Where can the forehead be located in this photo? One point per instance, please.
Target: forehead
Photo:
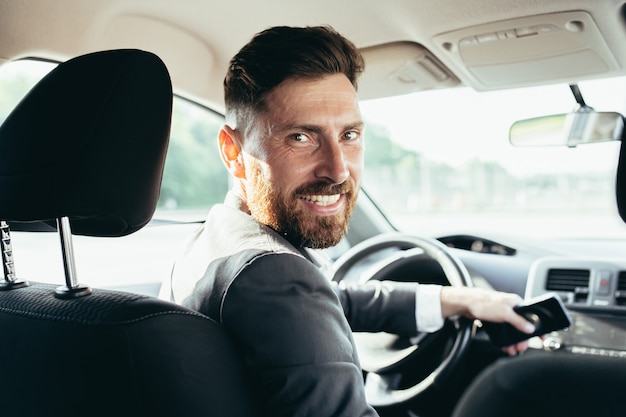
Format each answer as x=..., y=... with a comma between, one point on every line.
x=330, y=95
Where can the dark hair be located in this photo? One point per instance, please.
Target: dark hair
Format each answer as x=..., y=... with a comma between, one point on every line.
x=283, y=52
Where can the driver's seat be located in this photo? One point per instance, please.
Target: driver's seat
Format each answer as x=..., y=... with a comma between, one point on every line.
x=84, y=152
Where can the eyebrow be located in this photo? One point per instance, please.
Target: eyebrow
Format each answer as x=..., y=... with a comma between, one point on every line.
x=318, y=129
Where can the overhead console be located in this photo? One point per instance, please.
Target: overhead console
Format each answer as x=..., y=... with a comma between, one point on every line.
x=594, y=292
x=530, y=50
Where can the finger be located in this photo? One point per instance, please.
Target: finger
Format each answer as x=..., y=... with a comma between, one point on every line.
x=520, y=322
x=522, y=346
x=510, y=350
x=516, y=348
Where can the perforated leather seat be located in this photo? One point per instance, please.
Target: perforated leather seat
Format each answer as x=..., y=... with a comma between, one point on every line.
x=84, y=151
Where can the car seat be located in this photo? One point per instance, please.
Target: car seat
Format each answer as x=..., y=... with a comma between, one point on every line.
x=620, y=182
x=84, y=152
x=547, y=384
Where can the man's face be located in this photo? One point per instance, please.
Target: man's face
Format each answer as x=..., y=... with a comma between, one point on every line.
x=304, y=160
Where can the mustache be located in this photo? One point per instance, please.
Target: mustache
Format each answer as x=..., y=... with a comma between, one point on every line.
x=324, y=188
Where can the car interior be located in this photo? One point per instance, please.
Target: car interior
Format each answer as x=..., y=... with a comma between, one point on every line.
x=96, y=170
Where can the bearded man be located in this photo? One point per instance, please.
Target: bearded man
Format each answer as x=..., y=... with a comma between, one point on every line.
x=293, y=142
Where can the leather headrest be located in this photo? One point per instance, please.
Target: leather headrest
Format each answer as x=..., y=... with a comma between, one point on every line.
x=89, y=142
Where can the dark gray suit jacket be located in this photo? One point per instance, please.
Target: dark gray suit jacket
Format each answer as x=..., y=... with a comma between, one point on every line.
x=292, y=324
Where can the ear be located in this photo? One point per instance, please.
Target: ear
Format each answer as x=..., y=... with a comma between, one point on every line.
x=230, y=150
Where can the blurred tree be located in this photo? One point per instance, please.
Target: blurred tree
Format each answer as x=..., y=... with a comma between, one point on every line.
x=194, y=176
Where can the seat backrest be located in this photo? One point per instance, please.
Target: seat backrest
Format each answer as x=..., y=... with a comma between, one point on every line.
x=86, y=149
x=620, y=183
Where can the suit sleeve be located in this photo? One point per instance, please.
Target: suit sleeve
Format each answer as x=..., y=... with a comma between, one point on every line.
x=295, y=339
x=375, y=306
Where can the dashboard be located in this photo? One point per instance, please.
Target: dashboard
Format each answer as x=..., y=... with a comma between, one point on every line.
x=588, y=275
x=594, y=292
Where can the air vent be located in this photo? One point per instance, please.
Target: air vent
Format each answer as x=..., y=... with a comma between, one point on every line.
x=620, y=294
x=569, y=280
x=621, y=281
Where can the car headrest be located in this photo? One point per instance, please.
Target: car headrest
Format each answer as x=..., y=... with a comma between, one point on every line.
x=88, y=142
x=620, y=186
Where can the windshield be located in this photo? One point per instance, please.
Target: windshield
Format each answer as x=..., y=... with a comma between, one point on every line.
x=439, y=162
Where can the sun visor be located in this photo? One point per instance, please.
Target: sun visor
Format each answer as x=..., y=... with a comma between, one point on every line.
x=528, y=51
x=401, y=68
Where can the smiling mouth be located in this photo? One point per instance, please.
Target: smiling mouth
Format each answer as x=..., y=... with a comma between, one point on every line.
x=321, y=200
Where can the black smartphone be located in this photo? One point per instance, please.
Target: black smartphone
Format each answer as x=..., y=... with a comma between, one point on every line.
x=546, y=312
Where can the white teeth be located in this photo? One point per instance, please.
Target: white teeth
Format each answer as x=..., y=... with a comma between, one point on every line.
x=322, y=200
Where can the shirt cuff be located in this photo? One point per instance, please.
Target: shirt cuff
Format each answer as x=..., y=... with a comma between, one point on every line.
x=428, y=308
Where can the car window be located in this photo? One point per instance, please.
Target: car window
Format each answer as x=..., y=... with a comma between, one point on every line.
x=439, y=162
x=193, y=179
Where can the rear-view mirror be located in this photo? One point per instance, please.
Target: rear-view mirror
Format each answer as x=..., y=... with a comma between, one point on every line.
x=570, y=129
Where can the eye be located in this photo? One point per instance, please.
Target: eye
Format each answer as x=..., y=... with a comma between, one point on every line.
x=299, y=137
x=351, y=135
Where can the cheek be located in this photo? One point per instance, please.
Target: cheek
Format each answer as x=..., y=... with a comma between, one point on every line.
x=290, y=173
x=355, y=159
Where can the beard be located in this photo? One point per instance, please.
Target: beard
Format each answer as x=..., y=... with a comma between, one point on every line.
x=268, y=205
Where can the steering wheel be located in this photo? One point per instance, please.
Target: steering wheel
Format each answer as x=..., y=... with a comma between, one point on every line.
x=401, y=369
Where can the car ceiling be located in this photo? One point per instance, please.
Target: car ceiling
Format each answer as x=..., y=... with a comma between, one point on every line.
x=196, y=38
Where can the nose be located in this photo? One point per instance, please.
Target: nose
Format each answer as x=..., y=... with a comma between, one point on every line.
x=332, y=164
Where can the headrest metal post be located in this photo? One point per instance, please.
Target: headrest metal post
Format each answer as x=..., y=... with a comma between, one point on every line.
x=71, y=289
x=65, y=233
x=10, y=280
